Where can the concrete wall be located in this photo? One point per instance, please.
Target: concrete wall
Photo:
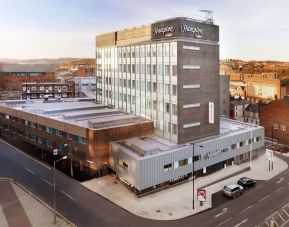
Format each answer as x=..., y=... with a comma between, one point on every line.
x=224, y=95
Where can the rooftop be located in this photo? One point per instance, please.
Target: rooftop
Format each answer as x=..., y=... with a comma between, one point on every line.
x=82, y=112
x=143, y=147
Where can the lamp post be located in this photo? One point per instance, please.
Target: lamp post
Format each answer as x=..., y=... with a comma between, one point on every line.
x=69, y=153
x=54, y=186
x=194, y=172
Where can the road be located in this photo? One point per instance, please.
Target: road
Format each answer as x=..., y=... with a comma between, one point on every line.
x=86, y=208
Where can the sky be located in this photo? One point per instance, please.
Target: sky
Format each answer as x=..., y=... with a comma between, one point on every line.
x=249, y=29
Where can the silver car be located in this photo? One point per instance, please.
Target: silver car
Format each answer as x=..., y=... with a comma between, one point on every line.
x=233, y=190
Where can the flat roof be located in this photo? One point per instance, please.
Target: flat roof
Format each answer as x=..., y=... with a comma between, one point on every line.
x=80, y=112
x=155, y=145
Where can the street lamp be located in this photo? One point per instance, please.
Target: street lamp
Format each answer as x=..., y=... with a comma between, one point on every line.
x=54, y=186
x=70, y=153
x=194, y=172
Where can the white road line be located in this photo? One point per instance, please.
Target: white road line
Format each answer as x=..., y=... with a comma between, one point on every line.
x=263, y=198
x=246, y=209
x=279, y=181
x=223, y=212
x=275, y=222
x=69, y=196
x=281, y=217
x=30, y=171
x=222, y=223
x=46, y=181
x=285, y=212
x=277, y=190
x=242, y=222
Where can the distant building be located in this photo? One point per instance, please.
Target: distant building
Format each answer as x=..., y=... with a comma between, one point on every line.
x=224, y=95
x=49, y=89
x=274, y=118
x=252, y=114
x=13, y=75
x=237, y=109
x=258, y=87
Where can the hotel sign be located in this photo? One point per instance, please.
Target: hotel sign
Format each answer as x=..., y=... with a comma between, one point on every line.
x=212, y=154
x=184, y=28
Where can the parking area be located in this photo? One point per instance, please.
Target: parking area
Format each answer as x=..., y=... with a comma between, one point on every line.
x=278, y=219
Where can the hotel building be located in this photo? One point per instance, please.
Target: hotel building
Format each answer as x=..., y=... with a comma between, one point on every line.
x=167, y=72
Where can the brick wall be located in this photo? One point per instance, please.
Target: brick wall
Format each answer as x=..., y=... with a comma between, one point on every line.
x=276, y=113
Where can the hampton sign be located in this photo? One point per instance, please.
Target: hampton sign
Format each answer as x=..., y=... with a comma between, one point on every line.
x=169, y=30
x=212, y=154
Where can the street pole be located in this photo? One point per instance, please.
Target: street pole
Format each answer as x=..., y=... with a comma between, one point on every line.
x=42, y=152
x=194, y=172
x=54, y=186
x=193, y=176
x=251, y=150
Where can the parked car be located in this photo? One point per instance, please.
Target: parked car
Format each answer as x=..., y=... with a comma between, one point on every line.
x=246, y=182
x=233, y=190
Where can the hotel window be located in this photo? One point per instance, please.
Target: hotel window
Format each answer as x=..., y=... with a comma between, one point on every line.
x=174, y=71
x=133, y=84
x=160, y=88
x=137, y=69
x=143, y=85
x=154, y=105
x=275, y=126
x=183, y=162
x=124, y=83
x=191, y=67
x=148, y=52
x=33, y=88
x=142, y=53
x=148, y=86
x=174, y=109
x=24, y=88
x=154, y=69
x=191, y=105
x=173, y=51
x=160, y=69
x=133, y=100
x=167, y=89
x=160, y=51
x=191, y=125
x=174, y=88
x=133, y=68
x=175, y=129
x=154, y=54
x=167, y=51
x=168, y=167
x=283, y=127
x=148, y=69
x=142, y=69
x=197, y=158
x=167, y=70
x=154, y=87
x=241, y=144
x=128, y=68
x=161, y=107
x=167, y=107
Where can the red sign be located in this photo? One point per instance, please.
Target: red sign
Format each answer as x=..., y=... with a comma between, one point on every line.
x=201, y=195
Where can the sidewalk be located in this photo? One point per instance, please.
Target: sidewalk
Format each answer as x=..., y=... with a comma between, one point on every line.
x=176, y=202
x=19, y=208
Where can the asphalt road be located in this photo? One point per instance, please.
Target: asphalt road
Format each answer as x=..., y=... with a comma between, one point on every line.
x=86, y=208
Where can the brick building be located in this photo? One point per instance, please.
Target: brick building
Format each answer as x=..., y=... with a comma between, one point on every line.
x=13, y=75
x=274, y=118
x=52, y=89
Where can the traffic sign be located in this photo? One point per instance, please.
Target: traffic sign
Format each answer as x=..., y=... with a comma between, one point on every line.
x=201, y=195
x=55, y=152
x=269, y=154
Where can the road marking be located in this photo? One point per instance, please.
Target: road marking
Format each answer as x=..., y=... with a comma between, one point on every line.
x=281, y=217
x=285, y=212
x=30, y=171
x=279, y=181
x=69, y=196
x=223, y=212
x=223, y=222
x=263, y=198
x=277, y=190
x=46, y=181
x=242, y=222
x=22, y=152
x=246, y=209
x=275, y=222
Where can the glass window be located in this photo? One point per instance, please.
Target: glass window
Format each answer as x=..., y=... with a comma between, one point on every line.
x=174, y=71
x=167, y=70
x=174, y=88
